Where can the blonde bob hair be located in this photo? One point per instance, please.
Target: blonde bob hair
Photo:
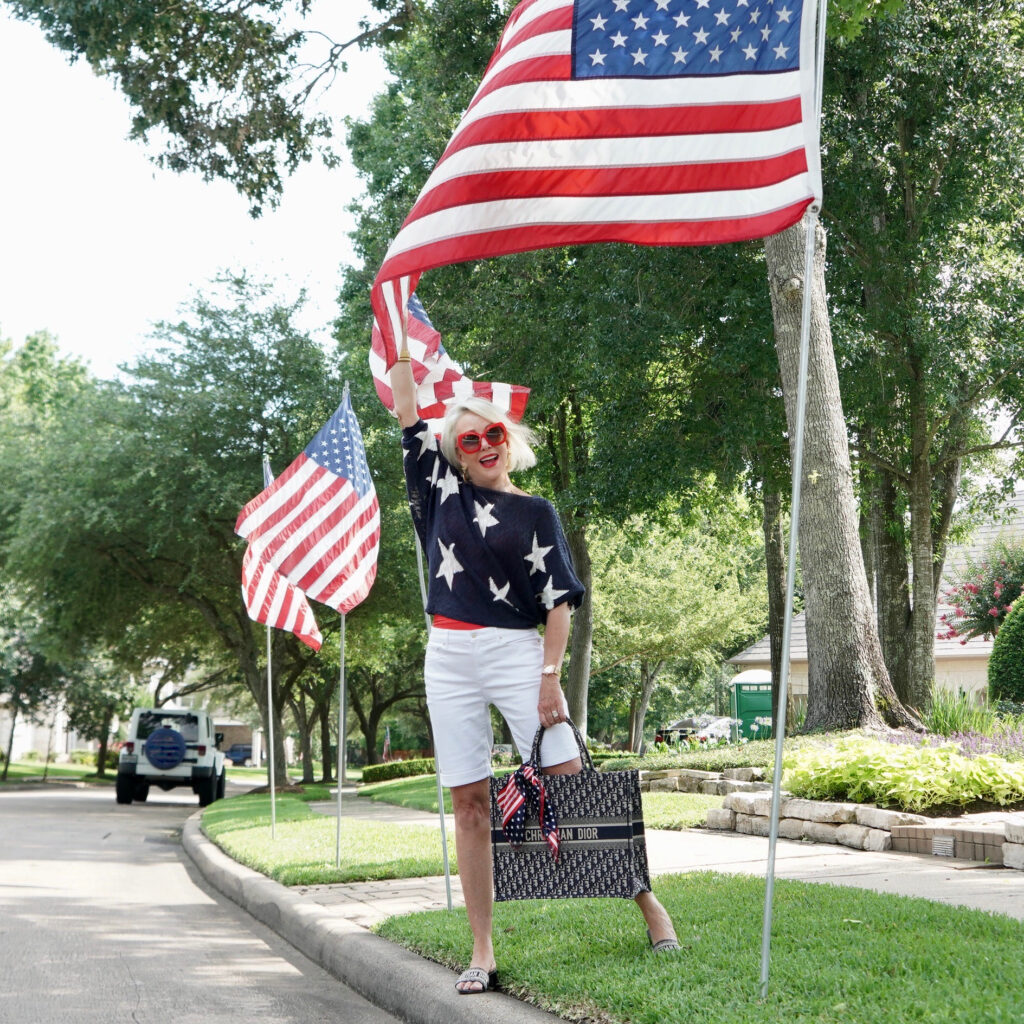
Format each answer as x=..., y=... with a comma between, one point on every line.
x=520, y=438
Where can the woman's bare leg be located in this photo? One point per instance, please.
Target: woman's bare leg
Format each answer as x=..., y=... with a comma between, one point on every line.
x=471, y=804
x=659, y=924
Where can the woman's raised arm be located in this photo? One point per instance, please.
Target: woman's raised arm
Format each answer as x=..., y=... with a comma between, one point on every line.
x=403, y=387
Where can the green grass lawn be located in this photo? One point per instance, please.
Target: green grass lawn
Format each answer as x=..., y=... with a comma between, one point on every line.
x=839, y=956
x=303, y=851
x=20, y=771
x=661, y=810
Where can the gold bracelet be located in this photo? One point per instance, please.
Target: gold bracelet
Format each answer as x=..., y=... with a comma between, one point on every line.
x=404, y=357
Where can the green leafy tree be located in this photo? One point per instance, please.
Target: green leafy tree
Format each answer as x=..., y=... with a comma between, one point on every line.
x=666, y=595
x=227, y=88
x=97, y=696
x=31, y=683
x=135, y=552
x=924, y=124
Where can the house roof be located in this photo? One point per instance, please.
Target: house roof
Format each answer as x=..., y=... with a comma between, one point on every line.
x=1008, y=525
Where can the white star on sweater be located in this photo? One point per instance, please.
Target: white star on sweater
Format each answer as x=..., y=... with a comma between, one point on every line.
x=500, y=594
x=428, y=443
x=536, y=557
x=483, y=517
x=449, y=563
x=449, y=485
x=549, y=595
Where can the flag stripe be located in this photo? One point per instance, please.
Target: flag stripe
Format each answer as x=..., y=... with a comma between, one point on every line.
x=520, y=183
x=269, y=598
x=427, y=242
x=331, y=552
x=682, y=124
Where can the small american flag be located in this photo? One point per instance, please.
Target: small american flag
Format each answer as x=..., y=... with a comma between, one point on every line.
x=658, y=122
x=318, y=523
x=439, y=380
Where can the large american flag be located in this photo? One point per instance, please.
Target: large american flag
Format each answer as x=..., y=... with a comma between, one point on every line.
x=269, y=598
x=318, y=523
x=659, y=122
x=439, y=379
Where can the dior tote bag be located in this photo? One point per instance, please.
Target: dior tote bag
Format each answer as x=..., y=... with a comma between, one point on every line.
x=567, y=836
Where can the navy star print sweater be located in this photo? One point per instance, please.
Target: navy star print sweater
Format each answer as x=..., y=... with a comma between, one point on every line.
x=495, y=559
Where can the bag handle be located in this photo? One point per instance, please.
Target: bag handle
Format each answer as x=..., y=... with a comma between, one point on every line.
x=584, y=753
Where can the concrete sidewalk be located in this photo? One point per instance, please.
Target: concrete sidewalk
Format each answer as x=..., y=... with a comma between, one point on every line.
x=329, y=923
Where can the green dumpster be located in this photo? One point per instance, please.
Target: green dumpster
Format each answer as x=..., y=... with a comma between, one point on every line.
x=751, y=704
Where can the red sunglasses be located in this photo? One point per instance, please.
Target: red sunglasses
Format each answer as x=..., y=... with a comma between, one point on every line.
x=471, y=440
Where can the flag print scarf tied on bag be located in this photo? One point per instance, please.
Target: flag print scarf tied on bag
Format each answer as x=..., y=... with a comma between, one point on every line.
x=521, y=794
x=567, y=836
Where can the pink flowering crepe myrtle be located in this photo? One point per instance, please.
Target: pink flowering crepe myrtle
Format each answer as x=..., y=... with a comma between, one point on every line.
x=983, y=595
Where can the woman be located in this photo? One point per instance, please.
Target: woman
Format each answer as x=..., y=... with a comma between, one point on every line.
x=499, y=567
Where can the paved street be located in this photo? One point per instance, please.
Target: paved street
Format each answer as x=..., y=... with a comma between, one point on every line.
x=102, y=918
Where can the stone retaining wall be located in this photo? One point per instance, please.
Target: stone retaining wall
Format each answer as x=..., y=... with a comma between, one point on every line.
x=855, y=825
x=746, y=808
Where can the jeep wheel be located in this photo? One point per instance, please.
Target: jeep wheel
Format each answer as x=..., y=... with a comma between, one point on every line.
x=207, y=790
x=124, y=788
x=141, y=791
x=220, y=785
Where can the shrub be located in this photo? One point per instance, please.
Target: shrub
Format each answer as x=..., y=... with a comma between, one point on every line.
x=1006, y=663
x=398, y=769
x=755, y=754
x=82, y=757
x=912, y=778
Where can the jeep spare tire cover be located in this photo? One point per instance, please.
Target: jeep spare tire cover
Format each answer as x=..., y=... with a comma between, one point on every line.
x=165, y=748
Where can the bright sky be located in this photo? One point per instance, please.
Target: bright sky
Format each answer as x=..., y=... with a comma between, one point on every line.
x=96, y=243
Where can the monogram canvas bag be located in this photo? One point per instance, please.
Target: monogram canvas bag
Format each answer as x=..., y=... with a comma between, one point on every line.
x=567, y=836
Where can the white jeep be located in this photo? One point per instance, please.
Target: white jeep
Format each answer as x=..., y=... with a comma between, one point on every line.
x=168, y=748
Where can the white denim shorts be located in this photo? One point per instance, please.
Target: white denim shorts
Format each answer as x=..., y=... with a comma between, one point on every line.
x=466, y=670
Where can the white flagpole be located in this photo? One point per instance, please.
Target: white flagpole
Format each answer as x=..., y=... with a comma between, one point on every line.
x=437, y=763
x=794, y=525
x=341, y=742
x=267, y=480
x=270, y=741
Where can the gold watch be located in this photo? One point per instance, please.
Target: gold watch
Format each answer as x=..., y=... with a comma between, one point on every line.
x=549, y=670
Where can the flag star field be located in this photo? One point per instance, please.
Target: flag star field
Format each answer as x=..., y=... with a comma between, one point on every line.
x=656, y=38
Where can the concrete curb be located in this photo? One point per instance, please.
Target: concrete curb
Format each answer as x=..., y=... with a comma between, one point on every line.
x=389, y=976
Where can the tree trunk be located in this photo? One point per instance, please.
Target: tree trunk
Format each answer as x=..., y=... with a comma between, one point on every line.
x=301, y=713
x=889, y=541
x=922, y=616
x=848, y=685
x=101, y=754
x=10, y=741
x=775, y=558
x=325, y=746
x=580, y=644
x=648, y=675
